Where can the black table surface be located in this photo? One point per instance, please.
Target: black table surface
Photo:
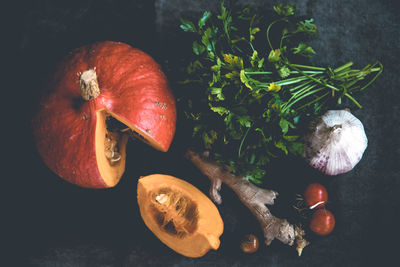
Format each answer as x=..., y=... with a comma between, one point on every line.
x=49, y=222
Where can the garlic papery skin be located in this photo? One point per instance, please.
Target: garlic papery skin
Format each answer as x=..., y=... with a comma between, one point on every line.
x=336, y=143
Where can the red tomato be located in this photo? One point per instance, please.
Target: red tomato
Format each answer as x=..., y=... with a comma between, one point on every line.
x=315, y=196
x=322, y=222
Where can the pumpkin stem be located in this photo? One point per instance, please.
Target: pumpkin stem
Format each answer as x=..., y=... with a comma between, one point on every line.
x=89, y=84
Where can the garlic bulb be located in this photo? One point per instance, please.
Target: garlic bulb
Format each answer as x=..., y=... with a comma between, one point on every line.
x=337, y=142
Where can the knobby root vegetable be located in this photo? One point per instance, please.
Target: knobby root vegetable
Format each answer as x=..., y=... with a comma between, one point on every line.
x=253, y=197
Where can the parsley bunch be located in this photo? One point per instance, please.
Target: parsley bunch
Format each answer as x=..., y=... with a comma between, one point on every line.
x=244, y=94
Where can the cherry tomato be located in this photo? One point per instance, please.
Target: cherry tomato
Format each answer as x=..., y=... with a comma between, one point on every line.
x=249, y=244
x=315, y=196
x=322, y=222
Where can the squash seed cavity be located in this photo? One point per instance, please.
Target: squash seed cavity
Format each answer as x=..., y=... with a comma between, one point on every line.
x=111, y=147
x=114, y=132
x=112, y=138
x=174, y=212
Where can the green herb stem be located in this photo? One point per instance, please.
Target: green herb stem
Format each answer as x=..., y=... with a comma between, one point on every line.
x=298, y=94
x=303, y=90
x=300, y=98
x=313, y=101
x=268, y=30
x=314, y=79
x=242, y=142
x=343, y=67
x=293, y=80
x=258, y=72
x=352, y=99
x=300, y=86
x=270, y=72
x=380, y=69
x=307, y=67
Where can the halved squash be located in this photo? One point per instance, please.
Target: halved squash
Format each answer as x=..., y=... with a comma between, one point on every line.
x=94, y=85
x=179, y=214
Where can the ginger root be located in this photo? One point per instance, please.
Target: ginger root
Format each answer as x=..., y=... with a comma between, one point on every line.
x=253, y=197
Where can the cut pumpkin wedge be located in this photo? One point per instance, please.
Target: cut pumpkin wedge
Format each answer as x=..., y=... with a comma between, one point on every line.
x=179, y=214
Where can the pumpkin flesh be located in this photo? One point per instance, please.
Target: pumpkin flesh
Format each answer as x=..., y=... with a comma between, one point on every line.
x=179, y=214
x=110, y=168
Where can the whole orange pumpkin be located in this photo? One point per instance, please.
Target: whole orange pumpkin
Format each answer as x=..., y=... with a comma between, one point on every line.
x=91, y=85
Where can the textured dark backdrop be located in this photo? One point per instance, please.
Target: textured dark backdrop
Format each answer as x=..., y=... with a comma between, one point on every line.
x=52, y=223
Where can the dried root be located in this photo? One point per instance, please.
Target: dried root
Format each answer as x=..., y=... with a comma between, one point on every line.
x=252, y=197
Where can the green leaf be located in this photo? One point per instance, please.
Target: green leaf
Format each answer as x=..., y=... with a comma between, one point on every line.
x=209, y=138
x=233, y=62
x=284, y=71
x=296, y=148
x=307, y=26
x=197, y=129
x=202, y=21
x=198, y=48
x=244, y=79
x=304, y=50
x=254, y=58
x=274, y=55
x=296, y=119
x=187, y=26
x=284, y=10
x=244, y=121
x=256, y=175
x=226, y=18
x=215, y=68
x=194, y=67
x=290, y=138
x=223, y=10
x=232, y=75
x=220, y=110
x=252, y=158
x=262, y=133
x=281, y=145
x=239, y=110
x=254, y=180
x=228, y=120
x=215, y=79
x=218, y=93
x=205, y=39
x=260, y=63
x=284, y=124
x=253, y=32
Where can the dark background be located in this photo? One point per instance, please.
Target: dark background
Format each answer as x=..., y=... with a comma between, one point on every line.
x=49, y=222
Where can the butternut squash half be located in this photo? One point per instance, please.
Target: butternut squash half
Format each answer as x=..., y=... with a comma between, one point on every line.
x=179, y=214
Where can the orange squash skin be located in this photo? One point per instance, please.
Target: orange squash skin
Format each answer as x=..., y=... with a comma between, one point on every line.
x=132, y=86
x=209, y=224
